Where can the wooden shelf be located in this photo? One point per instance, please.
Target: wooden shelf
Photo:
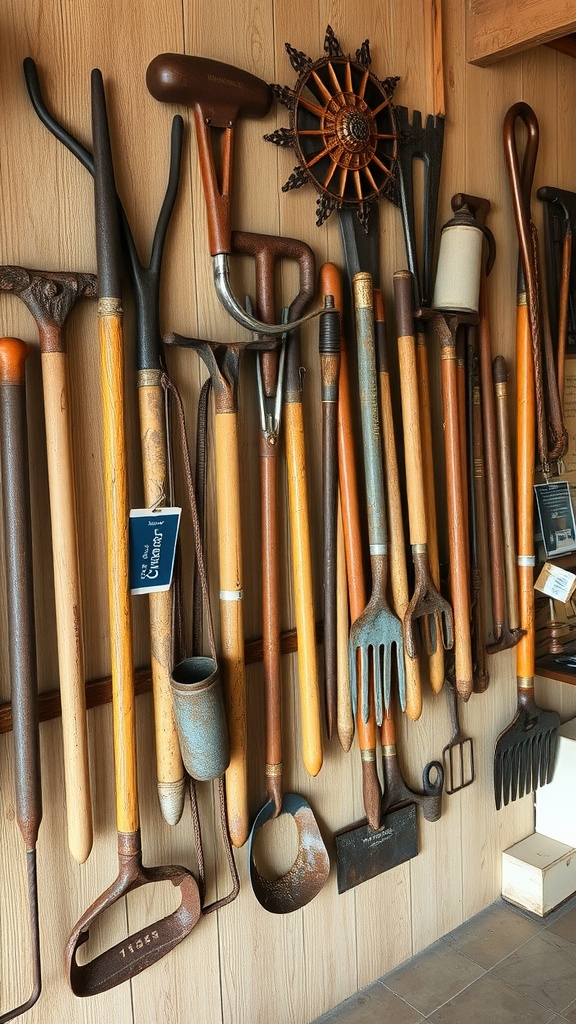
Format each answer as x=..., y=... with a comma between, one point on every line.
x=495, y=29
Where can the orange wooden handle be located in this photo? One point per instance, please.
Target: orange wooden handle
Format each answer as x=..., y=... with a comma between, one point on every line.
x=525, y=459
x=13, y=355
x=116, y=493
x=232, y=620
x=303, y=598
x=456, y=531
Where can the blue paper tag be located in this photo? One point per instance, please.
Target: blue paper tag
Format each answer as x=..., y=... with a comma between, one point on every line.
x=152, y=540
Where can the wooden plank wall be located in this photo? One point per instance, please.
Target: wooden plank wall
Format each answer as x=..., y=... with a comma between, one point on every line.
x=241, y=965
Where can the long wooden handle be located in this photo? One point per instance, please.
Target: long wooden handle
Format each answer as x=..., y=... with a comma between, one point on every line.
x=345, y=718
x=120, y=614
x=169, y=768
x=410, y=408
x=303, y=594
x=500, y=377
x=525, y=459
x=19, y=589
x=232, y=620
x=67, y=596
x=398, y=571
x=329, y=348
x=436, y=659
x=459, y=555
x=271, y=618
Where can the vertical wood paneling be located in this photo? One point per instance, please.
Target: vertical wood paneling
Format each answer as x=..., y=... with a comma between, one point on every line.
x=240, y=965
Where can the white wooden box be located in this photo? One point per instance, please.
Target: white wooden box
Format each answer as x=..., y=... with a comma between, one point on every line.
x=556, y=802
x=538, y=873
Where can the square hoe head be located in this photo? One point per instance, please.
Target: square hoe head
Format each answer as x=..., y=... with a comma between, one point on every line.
x=363, y=852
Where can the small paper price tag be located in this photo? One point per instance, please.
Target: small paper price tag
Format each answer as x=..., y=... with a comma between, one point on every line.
x=556, y=582
x=152, y=545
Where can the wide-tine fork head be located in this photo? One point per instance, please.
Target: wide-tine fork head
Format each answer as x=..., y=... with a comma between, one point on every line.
x=375, y=637
x=427, y=608
x=524, y=754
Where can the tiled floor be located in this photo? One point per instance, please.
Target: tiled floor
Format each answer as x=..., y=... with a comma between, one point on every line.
x=505, y=966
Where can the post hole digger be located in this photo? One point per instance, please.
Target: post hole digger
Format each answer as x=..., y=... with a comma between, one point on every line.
x=127, y=958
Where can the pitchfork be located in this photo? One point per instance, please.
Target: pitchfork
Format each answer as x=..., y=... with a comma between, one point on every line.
x=377, y=629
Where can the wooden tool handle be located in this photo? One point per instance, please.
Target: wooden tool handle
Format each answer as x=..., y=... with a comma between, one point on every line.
x=19, y=588
x=303, y=596
x=270, y=617
x=344, y=703
x=120, y=615
x=397, y=562
x=526, y=455
x=456, y=532
x=232, y=619
x=436, y=670
x=67, y=596
x=169, y=767
x=331, y=284
x=500, y=377
x=410, y=408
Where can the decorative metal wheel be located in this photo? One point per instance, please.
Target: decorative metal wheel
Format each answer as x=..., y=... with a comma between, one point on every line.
x=342, y=128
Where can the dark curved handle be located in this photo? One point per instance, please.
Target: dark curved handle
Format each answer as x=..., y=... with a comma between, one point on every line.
x=107, y=230
x=221, y=91
x=19, y=593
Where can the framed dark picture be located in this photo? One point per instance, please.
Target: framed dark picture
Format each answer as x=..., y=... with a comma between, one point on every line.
x=556, y=516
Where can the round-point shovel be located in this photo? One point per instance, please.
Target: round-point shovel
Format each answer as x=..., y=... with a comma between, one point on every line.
x=21, y=629
x=310, y=870
x=143, y=948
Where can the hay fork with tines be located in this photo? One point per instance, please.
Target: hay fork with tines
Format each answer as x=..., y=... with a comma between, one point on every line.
x=525, y=750
x=377, y=630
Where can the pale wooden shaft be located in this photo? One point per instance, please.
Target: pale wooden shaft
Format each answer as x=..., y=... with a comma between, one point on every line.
x=412, y=440
x=303, y=597
x=345, y=718
x=68, y=602
x=526, y=443
x=232, y=620
x=116, y=492
x=169, y=766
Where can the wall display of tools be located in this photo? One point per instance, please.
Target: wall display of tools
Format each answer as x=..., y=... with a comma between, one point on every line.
x=256, y=767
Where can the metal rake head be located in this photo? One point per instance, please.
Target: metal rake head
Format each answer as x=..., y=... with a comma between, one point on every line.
x=458, y=762
x=524, y=754
x=373, y=637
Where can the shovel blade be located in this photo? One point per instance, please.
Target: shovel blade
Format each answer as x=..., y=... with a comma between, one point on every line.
x=363, y=852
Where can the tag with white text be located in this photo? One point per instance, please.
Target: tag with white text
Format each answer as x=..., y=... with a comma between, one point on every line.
x=152, y=540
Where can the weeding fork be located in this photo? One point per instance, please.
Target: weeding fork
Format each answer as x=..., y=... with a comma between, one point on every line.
x=377, y=629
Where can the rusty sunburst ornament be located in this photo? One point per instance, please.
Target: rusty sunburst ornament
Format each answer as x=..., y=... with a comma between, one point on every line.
x=342, y=128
